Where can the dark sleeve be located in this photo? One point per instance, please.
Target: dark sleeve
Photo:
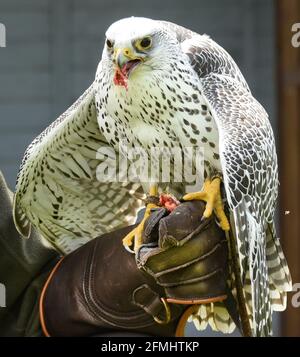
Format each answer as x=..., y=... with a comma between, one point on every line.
x=24, y=267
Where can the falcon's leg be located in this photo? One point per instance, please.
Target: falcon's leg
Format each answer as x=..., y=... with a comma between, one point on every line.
x=211, y=194
x=136, y=234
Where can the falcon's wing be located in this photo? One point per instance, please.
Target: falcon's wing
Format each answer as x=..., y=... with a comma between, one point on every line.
x=249, y=165
x=57, y=189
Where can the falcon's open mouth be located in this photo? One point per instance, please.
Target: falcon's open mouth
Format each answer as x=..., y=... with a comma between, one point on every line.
x=129, y=66
x=122, y=75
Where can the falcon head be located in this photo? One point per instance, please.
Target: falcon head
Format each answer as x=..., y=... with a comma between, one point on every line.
x=136, y=48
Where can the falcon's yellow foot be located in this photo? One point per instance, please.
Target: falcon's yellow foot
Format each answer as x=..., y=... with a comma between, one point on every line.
x=211, y=194
x=135, y=236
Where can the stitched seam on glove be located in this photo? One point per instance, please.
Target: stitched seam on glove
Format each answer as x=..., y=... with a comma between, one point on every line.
x=191, y=262
x=170, y=270
x=191, y=281
x=107, y=314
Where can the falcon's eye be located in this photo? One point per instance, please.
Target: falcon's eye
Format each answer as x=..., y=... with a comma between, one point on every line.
x=144, y=44
x=109, y=44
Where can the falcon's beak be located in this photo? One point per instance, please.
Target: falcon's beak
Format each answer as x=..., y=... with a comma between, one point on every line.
x=126, y=60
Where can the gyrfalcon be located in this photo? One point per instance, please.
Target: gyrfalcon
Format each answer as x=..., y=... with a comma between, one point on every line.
x=159, y=84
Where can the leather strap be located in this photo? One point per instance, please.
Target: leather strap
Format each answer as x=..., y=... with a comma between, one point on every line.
x=41, y=307
x=151, y=303
x=183, y=320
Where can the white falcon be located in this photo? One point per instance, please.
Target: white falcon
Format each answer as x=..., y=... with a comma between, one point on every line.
x=162, y=84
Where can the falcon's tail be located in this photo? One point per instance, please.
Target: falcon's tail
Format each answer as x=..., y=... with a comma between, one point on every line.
x=214, y=315
x=250, y=236
x=280, y=281
x=267, y=279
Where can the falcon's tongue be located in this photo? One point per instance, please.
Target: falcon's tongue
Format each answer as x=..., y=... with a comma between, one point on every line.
x=121, y=75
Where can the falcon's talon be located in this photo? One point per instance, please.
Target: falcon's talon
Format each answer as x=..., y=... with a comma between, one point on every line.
x=128, y=240
x=211, y=194
x=129, y=249
x=135, y=236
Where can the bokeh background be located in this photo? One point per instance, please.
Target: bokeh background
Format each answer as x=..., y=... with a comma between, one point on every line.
x=54, y=46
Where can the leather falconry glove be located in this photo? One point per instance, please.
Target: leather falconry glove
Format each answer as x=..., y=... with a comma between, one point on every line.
x=101, y=288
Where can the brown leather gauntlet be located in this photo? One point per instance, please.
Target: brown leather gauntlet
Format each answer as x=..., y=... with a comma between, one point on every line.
x=92, y=291
x=100, y=287
x=187, y=257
